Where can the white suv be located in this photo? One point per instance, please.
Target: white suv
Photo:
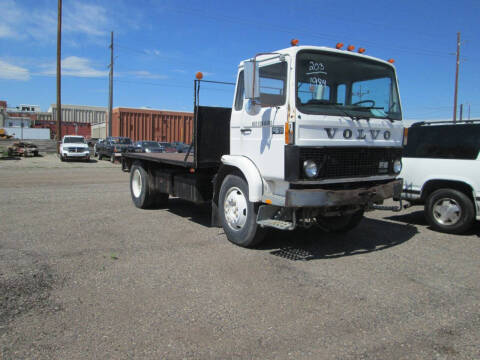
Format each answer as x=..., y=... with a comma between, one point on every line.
x=74, y=147
x=441, y=169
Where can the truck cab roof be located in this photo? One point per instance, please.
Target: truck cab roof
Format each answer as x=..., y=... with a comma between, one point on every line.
x=293, y=50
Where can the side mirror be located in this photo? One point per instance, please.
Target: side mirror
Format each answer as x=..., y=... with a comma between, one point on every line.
x=251, y=79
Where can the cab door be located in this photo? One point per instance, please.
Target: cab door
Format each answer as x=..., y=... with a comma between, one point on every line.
x=260, y=135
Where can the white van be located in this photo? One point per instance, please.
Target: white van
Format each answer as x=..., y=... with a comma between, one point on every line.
x=441, y=169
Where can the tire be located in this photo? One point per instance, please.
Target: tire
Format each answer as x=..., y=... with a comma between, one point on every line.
x=100, y=156
x=344, y=223
x=62, y=158
x=450, y=211
x=143, y=196
x=112, y=158
x=237, y=214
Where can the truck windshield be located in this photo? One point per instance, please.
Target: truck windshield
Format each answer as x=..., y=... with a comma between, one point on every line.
x=74, y=140
x=337, y=84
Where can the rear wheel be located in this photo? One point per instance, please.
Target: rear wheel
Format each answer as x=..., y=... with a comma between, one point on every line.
x=237, y=214
x=449, y=211
x=143, y=195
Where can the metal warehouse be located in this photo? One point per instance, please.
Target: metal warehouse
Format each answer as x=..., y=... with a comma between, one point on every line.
x=80, y=113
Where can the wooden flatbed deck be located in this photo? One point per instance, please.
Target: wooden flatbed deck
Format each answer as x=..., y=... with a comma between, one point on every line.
x=177, y=159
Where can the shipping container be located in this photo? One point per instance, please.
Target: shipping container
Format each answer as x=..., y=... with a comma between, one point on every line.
x=155, y=125
x=82, y=129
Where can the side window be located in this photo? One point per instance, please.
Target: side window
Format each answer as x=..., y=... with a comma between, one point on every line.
x=240, y=92
x=273, y=84
x=443, y=142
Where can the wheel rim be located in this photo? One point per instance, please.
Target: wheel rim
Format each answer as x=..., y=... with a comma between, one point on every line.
x=136, y=183
x=235, y=208
x=447, y=211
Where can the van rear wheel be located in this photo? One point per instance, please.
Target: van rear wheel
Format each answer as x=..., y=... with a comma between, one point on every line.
x=450, y=211
x=237, y=214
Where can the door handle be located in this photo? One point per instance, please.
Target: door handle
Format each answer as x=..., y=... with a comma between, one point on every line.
x=246, y=131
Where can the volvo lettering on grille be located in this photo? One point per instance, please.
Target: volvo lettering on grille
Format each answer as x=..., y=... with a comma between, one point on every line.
x=360, y=135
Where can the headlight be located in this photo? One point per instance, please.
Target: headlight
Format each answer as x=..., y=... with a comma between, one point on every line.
x=148, y=150
x=310, y=168
x=397, y=166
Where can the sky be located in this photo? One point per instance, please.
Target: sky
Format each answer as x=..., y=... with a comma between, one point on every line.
x=160, y=45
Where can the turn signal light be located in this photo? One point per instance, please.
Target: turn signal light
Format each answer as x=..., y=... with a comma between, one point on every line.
x=294, y=42
x=288, y=134
x=391, y=61
x=339, y=45
x=361, y=50
x=405, y=136
x=199, y=75
x=350, y=48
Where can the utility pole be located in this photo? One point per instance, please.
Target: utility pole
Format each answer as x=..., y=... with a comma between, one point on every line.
x=59, y=72
x=110, y=89
x=456, y=80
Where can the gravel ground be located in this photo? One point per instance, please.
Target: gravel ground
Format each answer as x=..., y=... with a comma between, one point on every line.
x=85, y=274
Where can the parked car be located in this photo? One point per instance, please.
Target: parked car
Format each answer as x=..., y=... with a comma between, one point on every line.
x=181, y=147
x=23, y=149
x=92, y=141
x=74, y=147
x=114, y=147
x=441, y=170
x=168, y=147
x=148, y=147
x=99, y=141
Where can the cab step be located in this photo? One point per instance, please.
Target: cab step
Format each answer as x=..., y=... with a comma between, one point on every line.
x=277, y=224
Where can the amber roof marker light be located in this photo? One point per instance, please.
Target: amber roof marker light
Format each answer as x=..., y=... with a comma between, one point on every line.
x=361, y=50
x=199, y=75
x=294, y=42
x=339, y=45
x=391, y=61
x=350, y=48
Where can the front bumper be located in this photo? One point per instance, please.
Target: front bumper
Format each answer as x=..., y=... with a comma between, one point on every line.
x=360, y=196
x=75, y=155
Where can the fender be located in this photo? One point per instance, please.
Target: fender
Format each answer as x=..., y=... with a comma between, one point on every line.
x=459, y=179
x=251, y=173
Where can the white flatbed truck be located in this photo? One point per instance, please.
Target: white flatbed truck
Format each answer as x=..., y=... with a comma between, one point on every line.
x=314, y=137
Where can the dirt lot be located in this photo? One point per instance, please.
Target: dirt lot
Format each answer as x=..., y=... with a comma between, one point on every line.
x=84, y=274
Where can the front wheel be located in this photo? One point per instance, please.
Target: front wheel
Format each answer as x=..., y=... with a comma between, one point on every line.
x=237, y=214
x=449, y=211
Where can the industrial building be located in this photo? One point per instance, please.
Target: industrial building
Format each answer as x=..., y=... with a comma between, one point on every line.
x=80, y=113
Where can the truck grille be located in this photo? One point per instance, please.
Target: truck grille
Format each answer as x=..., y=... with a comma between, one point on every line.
x=350, y=162
x=76, y=149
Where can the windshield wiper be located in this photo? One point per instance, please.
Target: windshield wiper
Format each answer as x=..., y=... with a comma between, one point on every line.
x=345, y=113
